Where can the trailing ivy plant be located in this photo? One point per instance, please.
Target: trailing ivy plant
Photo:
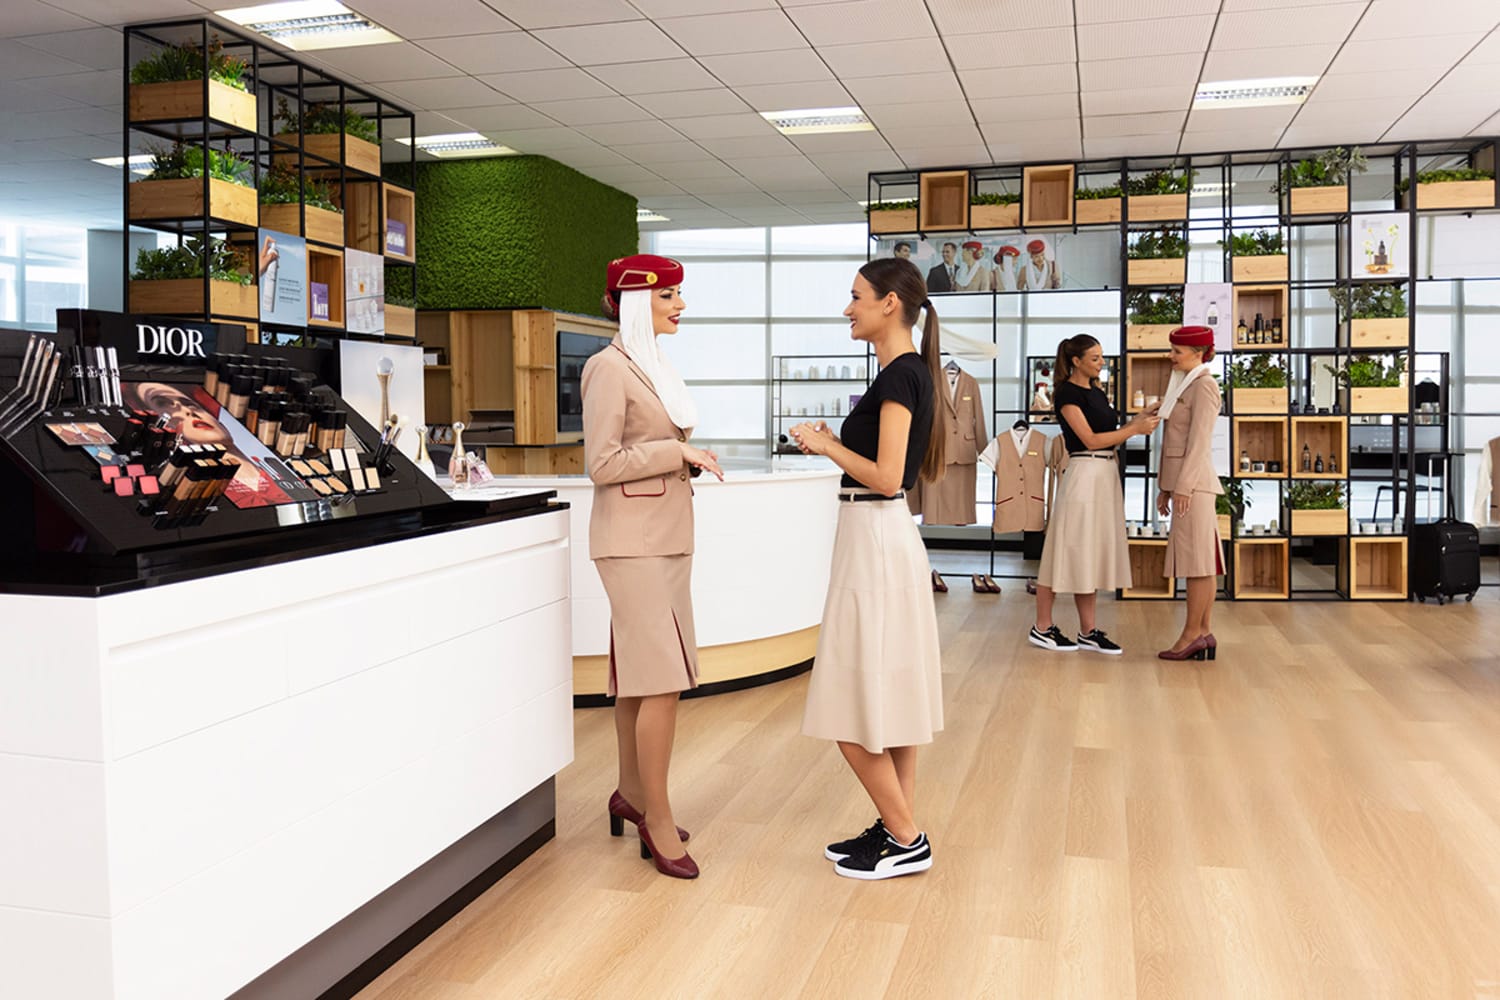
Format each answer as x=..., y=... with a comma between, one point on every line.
x=1446, y=176
x=1154, y=308
x=325, y=119
x=1160, y=182
x=1330, y=168
x=1369, y=301
x=1232, y=501
x=180, y=161
x=1261, y=243
x=278, y=186
x=1312, y=495
x=190, y=260
x=996, y=198
x=1257, y=372
x=1159, y=244
x=1365, y=371
x=909, y=205
x=174, y=63
x=1093, y=194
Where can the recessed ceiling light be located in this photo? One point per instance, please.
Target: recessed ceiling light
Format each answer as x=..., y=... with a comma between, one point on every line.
x=1208, y=188
x=136, y=162
x=811, y=121
x=1253, y=93
x=456, y=144
x=310, y=24
x=647, y=215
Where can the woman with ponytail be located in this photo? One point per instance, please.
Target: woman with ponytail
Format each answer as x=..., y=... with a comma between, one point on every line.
x=876, y=686
x=1085, y=549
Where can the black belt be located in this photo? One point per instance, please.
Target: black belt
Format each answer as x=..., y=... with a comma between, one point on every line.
x=1089, y=454
x=857, y=497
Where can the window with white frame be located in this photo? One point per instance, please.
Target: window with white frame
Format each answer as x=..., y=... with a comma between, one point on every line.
x=42, y=270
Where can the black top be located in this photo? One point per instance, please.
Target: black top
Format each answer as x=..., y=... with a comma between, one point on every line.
x=1100, y=416
x=906, y=381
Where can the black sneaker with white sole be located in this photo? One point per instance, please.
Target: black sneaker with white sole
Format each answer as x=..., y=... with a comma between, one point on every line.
x=1052, y=639
x=1097, y=642
x=887, y=859
x=844, y=848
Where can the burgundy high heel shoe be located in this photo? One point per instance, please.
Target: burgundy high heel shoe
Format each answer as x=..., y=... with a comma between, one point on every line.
x=683, y=867
x=622, y=812
x=1212, y=646
x=1195, y=650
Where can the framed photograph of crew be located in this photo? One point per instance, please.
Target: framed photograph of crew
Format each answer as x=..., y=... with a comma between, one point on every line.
x=1010, y=262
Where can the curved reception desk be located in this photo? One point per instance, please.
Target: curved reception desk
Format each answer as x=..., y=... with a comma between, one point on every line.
x=760, y=573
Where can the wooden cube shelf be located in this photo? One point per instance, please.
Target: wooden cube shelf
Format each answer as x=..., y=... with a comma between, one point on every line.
x=1262, y=569
x=1265, y=438
x=1048, y=198
x=326, y=267
x=1267, y=267
x=1159, y=271
x=1149, y=373
x=1149, y=336
x=323, y=226
x=1377, y=569
x=1454, y=194
x=1380, y=332
x=1379, y=399
x=400, y=321
x=1225, y=529
x=1156, y=207
x=893, y=220
x=1268, y=300
x=1148, y=563
x=1097, y=211
x=364, y=228
x=995, y=216
x=1319, y=522
x=359, y=154
x=184, y=297
x=400, y=206
x=943, y=200
x=1330, y=200
x=1260, y=401
x=182, y=198
x=1326, y=436
x=157, y=102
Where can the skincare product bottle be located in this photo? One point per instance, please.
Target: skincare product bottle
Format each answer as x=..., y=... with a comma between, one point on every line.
x=1318, y=465
x=1244, y=460
x=1306, y=458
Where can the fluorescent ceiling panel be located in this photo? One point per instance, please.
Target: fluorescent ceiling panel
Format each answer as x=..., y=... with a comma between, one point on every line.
x=305, y=25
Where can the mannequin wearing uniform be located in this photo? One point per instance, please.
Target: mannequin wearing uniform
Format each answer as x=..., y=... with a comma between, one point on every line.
x=1017, y=456
x=1487, y=485
x=951, y=500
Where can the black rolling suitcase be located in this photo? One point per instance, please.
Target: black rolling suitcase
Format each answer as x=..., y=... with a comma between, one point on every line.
x=1443, y=557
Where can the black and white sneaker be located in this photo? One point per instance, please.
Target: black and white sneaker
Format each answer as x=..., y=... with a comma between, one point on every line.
x=845, y=848
x=887, y=859
x=1052, y=639
x=1097, y=642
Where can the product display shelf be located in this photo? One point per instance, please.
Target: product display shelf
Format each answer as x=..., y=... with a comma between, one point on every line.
x=1374, y=568
x=1262, y=569
x=1148, y=561
x=1325, y=438
x=801, y=386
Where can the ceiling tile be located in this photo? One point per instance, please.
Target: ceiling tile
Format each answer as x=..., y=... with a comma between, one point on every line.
x=838, y=164
x=692, y=103
x=787, y=96
x=1019, y=109
x=841, y=142
x=759, y=168
x=556, y=13
x=722, y=34
x=1403, y=19
x=955, y=17
x=1468, y=82
x=1034, y=152
x=1160, y=36
x=383, y=63
x=1426, y=51
x=1332, y=134
x=782, y=66
x=828, y=194
x=906, y=88
x=598, y=44
x=96, y=48
x=544, y=139
x=733, y=147
x=1486, y=53
x=945, y=156
x=504, y=52
x=650, y=153
x=1123, y=74
x=622, y=173
x=451, y=92
x=547, y=85
x=655, y=76
x=32, y=17
x=1004, y=49
x=1489, y=127
x=433, y=20
x=632, y=133
x=933, y=135
x=1110, y=146
x=17, y=97
x=21, y=62
x=1282, y=60
x=851, y=62
x=1051, y=130
x=862, y=21
x=725, y=126
x=922, y=113
x=1266, y=28
x=716, y=185
x=1091, y=12
x=594, y=111
x=1430, y=120
x=682, y=8
x=583, y=157
x=1119, y=102
x=1052, y=78
x=1392, y=83
x=118, y=12
x=695, y=170
x=1110, y=126
x=505, y=118
x=1233, y=139
x=749, y=199
x=650, y=189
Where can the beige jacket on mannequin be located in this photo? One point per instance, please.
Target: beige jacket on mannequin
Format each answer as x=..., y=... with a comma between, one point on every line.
x=1020, y=482
x=952, y=499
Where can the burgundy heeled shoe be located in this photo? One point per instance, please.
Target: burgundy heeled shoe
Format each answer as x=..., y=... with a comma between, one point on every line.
x=1212, y=646
x=622, y=812
x=1195, y=650
x=683, y=867
x=938, y=586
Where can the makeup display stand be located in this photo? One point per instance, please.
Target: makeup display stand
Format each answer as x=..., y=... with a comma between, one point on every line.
x=262, y=733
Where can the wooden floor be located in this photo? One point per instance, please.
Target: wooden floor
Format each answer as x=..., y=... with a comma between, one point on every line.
x=1315, y=815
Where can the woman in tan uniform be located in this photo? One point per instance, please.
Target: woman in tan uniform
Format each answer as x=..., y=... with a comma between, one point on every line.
x=1188, y=485
x=637, y=416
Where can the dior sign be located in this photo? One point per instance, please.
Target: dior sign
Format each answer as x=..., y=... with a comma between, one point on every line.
x=168, y=341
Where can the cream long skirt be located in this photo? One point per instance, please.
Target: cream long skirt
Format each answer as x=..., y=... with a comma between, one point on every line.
x=877, y=679
x=1085, y=547
x=653, y=648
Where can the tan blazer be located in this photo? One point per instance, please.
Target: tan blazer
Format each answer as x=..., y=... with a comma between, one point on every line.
x=966, y=428
x=643, y=500
x=1057, y=464
x=1187, y=441
x=1021, y=483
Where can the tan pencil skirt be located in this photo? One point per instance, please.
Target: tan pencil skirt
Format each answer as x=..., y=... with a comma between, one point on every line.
x=653, y=648
x=1085, y=547
x=878, y=676
x=1193, y=547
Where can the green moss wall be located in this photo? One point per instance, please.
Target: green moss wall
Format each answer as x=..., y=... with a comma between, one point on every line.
x=516, y=232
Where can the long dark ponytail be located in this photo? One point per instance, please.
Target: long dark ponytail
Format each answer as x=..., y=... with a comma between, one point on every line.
x=1068, y=353
x=892, y=274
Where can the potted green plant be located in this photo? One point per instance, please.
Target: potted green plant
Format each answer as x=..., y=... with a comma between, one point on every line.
x=1231, y=504
x=1317, y=508
x=167, y=86
x=898, y=216
x=337, y=134
x=1374, y=386
x=283, y=200
x=994, y=210
x=1097, y=206
x=1375, y=312
x=1258, y=256
x=1318, y=185
x=1157, y=257
x=169, y=281
x=1158, y=195
x=1257, y=384
x=173, y=189
x=1462, y=187
x=1151, y=316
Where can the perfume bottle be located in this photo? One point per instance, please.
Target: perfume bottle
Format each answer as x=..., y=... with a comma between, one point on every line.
x=1244, y=460
x=1242, y=332
x=458, y=465
x=1333, y=465
x=423, y=460
x=1306, y=458
x=1276, y=330
x=1318, y=465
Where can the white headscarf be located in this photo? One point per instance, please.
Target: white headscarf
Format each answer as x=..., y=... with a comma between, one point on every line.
x=1177, y=385
x=638, y=338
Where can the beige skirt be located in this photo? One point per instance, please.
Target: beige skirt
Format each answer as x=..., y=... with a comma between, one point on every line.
x=653, y=648
x=878, y=677
x=1085, y=547
x=1193, y=547
x=952, y=499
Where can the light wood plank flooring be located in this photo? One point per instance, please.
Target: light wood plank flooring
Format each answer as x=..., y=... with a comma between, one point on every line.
x=1314, y=815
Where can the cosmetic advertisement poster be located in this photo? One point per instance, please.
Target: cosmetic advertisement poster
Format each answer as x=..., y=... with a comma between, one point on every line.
x=283, y=278
x=1011, y=262
x=1210, y=304
x=385, y=379
x=364, y=291
x=1377, y=246
x=263, y=480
